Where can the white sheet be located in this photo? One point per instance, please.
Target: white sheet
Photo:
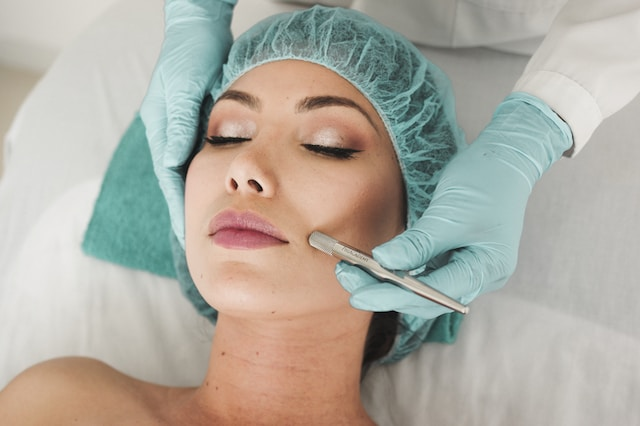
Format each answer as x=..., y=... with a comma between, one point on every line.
x=559, y=345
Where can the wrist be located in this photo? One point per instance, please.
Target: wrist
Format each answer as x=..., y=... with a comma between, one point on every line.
x=533, y=127
x=526, y=134
x=548, y=120
x=213, y=10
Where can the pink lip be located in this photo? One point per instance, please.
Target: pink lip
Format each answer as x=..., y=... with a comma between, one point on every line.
x=243, y=231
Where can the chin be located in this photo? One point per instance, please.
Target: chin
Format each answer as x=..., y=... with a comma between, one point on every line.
x=256, y=288
x=257, y=299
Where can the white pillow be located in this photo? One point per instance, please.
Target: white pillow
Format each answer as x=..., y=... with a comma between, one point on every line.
x=59, y=302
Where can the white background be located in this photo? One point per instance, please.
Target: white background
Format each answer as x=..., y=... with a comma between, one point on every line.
x=32, y=32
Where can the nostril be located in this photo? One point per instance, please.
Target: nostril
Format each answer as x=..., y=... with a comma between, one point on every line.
x=255, y=185
x=234, y=184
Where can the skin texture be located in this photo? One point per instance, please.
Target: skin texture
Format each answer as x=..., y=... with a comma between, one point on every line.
x=288, y=346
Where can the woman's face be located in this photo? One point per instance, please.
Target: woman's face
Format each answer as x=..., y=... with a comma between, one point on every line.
x=292, y=148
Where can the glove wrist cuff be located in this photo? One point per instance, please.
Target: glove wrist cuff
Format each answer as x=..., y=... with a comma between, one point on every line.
x=525, y=124
x=563, y=141
x=213, y=10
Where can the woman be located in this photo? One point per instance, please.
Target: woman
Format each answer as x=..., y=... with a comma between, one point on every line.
x=324, y=120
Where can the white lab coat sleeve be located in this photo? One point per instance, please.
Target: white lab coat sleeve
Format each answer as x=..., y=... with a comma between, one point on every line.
x=588, y=66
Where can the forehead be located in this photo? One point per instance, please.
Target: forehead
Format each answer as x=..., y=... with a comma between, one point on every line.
x=284, y=81
x=288, y=76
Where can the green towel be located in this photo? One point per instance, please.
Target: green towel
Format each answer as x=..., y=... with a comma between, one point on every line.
x=130, y=225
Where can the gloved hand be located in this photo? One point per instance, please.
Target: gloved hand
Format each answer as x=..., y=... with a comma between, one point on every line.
x=196, y=43
x=476, y=213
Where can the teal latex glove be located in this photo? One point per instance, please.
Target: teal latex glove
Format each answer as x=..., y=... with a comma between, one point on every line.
x=475, y=218
x=196, y=44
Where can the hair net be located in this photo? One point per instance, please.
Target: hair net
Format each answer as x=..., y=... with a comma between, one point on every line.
x=412, y=96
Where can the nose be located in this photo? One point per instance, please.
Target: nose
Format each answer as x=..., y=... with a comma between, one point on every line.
x=250, y=172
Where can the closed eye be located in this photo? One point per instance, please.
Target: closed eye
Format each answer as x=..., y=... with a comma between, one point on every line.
x=332, y=151
x=224, y=140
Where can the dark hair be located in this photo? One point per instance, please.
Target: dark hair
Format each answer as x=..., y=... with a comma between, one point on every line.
x=380, y=337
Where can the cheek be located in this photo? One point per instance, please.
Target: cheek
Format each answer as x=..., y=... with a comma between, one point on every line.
x=205, y=177
x=379, y=210
x=204, y=184
x=363, y=209
x=194, y=185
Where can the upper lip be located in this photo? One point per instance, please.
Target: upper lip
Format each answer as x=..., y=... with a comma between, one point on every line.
x=244, y=220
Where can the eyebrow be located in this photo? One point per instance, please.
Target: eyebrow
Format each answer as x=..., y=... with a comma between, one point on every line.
x=316, y=102
x=307, y=104
x=244, y=98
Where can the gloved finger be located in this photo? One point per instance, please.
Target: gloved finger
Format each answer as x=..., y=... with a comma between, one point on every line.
x=153, y=113
x=351, y=277
x=417, y=245
x=370, y=294
x=471, y=271
x=182, y=126
x=407, y=251
x=358, y=282
x=385, y=297
x=172, y=186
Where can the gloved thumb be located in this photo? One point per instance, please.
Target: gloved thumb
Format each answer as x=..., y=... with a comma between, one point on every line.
x=409, y=250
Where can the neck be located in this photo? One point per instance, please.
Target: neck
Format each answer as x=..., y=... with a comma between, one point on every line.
x=286, y=371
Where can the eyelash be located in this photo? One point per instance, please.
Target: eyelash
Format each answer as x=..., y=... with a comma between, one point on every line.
x=332, y=151
x=329, y=151
x=224, y=140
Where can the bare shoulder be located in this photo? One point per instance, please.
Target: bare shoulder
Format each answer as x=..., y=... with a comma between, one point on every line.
x=67, y=390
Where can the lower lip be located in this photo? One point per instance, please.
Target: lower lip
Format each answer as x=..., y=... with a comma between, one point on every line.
x=242, y=239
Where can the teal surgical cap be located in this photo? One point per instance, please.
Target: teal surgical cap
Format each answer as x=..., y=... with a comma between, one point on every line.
x=412, y=96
